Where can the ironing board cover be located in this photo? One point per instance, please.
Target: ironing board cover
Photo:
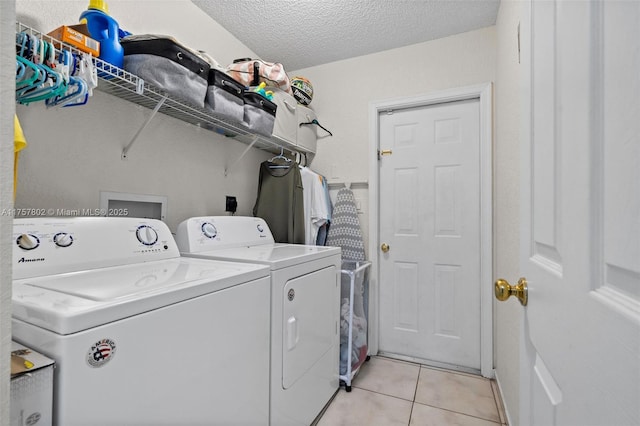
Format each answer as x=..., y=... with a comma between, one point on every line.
x=345, y=231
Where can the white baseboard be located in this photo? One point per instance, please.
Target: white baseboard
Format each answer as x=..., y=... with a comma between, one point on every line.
x=506, y=409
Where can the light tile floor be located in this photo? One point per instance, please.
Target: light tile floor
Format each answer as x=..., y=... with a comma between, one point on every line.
x=389, y=392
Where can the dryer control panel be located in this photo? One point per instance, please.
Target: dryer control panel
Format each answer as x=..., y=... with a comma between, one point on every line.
x=205, y=233
x=46, y=246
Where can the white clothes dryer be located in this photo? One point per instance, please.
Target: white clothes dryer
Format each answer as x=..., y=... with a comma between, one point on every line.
x=140, y=335
x=305, y=301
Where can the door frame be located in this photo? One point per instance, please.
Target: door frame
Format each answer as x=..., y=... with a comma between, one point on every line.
x=484, y=93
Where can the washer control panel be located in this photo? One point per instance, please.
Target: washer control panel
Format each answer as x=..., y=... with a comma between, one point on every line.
x=147, y=235
x=63, y=239
x=205, y=233
x=209, y=230
x=45, y=246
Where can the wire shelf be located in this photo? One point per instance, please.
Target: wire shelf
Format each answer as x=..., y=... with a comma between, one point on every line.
x=124, y=85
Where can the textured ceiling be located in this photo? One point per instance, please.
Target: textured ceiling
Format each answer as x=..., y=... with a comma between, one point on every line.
x=305, y=33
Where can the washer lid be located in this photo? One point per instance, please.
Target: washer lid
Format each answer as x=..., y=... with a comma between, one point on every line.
x=68, y=303
x=276, y=255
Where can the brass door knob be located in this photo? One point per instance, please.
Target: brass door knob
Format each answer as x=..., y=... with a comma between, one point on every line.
x=504, y=290
x=385, y=247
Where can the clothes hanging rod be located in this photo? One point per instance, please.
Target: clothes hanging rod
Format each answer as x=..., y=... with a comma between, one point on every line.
x=348, y=184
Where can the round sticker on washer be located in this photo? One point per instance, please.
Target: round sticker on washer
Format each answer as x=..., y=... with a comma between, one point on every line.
x=33, y=419
x=101, y=352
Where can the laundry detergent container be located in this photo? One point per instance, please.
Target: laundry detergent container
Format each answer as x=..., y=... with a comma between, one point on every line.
x=104, y=29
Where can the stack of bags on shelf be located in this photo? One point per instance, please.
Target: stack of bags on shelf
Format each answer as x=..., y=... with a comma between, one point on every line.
x=247, y=94
x=254, y=93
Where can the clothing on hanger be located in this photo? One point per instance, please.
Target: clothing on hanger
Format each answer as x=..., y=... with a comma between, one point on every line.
x=321, y=240
x=280, y=200
x=315, y=204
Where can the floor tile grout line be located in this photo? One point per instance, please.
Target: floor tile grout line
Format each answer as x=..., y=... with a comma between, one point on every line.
x=384, y=394
x=415, y=391
x=380, y=393
x=499, y=422
x=432, y=367
x=458, y=373
x=443, y=370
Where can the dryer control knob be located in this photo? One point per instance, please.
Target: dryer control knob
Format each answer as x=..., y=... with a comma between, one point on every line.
x=147, y=235
x=209, y=230
x=28, y=241
x=62, y=239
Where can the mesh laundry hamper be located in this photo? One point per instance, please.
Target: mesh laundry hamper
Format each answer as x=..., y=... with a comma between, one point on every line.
x=353, y=318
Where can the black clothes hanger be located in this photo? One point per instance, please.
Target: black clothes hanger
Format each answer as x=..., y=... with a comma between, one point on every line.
x=314, y=121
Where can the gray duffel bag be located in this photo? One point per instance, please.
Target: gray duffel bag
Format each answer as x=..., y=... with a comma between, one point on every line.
x=259, y=113
x=163, y=62
x=224, y=96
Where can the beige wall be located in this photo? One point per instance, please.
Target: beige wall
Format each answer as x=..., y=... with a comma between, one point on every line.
x=344, y=90
x=506, y=202
x=74, y=153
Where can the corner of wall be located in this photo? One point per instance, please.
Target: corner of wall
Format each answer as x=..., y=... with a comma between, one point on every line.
x=507, y=316
x=7, y=110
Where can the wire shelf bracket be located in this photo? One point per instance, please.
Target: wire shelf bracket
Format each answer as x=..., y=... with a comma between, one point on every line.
x=253, y=142
x=126, y=149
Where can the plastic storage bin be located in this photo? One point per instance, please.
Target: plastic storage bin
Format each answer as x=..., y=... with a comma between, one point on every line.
x=354, y=306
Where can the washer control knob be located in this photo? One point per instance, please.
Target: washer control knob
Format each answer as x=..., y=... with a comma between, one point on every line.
x=147, y=235
x=209, y=230
x=260, y=228
x=63, y=239
x=28, y=241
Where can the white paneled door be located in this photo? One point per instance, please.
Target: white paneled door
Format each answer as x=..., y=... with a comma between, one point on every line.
x=430, y=233
x=580, y=213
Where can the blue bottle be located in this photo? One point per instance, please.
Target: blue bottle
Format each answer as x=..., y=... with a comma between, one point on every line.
x=104, y=28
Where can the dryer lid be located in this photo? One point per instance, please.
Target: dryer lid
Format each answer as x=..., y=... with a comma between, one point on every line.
x=68, y=303
x=276, y=255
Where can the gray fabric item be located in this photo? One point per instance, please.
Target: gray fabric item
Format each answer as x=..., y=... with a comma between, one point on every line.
x=258, y=120
x=224, y=104
x=168, y=76
x=345, y=231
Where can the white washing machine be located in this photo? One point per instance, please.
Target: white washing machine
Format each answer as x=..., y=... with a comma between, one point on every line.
x=305, y=301
x=140, y=335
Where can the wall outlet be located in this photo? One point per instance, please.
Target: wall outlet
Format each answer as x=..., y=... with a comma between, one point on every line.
x=334, y=172
x=232, y=204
